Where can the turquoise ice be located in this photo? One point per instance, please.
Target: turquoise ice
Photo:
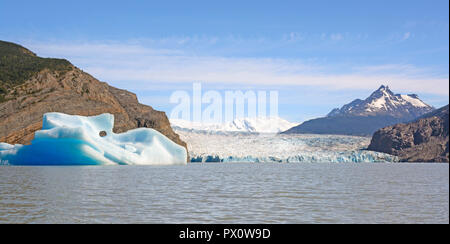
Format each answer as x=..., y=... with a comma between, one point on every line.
x=79, y=140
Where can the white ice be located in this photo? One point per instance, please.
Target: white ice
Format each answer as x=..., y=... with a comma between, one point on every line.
x=75, y=140
x=263, y=147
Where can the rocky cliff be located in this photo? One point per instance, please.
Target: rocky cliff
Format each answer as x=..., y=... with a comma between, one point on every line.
x=58, y=86
x=423, y=140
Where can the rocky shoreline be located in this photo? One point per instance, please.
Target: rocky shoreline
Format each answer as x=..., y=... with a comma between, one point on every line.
x=424, y=140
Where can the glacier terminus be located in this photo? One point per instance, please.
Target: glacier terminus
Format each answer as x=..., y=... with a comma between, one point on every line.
x=227, y=146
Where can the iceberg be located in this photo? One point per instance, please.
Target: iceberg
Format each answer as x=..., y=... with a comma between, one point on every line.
x=79, y=140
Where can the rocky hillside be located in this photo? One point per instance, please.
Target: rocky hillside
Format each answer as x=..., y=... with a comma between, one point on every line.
x=18, y=64
x=363, y=117
x=423, y=140
x=31, y=86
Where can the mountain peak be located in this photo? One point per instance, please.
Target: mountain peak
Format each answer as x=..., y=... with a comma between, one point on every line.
x=382, y=91
x=384, y=102
x=383, y=87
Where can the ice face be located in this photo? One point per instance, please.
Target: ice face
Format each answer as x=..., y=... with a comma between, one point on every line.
x=248, y=147
x=78, y=140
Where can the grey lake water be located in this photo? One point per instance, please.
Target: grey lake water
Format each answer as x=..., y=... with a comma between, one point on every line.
x=227, y=193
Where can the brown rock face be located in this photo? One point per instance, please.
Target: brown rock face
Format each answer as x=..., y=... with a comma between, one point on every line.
x=424, y=140
x=78, y=93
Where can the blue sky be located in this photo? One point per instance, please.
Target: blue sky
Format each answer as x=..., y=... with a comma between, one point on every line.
x=317, y=54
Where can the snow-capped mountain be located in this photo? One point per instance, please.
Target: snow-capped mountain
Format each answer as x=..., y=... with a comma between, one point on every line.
x=384, y=102
x=363, y=117
x=248, y=125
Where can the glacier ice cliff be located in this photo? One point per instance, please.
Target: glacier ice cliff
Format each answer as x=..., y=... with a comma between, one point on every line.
x=79, y=140
x=252, y=147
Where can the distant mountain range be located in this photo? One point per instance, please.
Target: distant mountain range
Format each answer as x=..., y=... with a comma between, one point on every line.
x=248, y=125
x=363, y=117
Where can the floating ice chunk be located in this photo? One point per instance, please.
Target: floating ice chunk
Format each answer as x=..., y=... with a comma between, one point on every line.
x=78, y=140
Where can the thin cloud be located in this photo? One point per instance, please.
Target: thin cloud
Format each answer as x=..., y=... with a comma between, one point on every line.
x=293, y=37
x=122, y=63
x=407, y=35
x=336, y=37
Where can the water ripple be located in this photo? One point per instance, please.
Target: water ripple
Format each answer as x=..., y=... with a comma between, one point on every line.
x=227, y=193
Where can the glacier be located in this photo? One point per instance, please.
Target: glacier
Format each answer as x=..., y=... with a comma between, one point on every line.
x=79, y=140
x=210, y=146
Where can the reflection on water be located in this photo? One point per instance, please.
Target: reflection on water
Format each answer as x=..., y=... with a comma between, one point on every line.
x=227, y=193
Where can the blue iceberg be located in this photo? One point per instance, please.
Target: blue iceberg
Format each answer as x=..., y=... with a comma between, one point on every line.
x=79, y=140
